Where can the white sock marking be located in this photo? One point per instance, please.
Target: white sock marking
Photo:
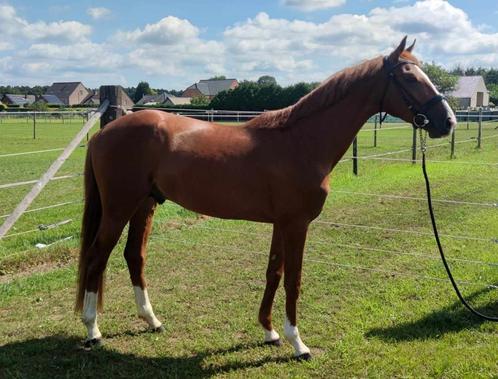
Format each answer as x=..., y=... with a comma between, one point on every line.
x=144, y=308
x=292, y=334
x=271, y=335
x=89, y=315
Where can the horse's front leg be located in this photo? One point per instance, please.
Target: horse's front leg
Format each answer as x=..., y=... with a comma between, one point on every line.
x=273, y=274
x=294, y=237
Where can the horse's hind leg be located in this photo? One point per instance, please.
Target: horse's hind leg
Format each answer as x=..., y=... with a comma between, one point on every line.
x=135, y=254
x=107, y=236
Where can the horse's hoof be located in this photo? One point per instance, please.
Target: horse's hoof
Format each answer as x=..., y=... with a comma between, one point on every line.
x=91, y=344
x=159, y=329
x=277, y=342
x=303, y=357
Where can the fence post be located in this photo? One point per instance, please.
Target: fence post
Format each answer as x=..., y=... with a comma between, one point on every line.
x=479, y=130
x=118, y=103
x=87, y=121
x=375, y=131
x=414, y=146
x=355, y=156
x=452, y=155
x=34, y=125
x=468, y=116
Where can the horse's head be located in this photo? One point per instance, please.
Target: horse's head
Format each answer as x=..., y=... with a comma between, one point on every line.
x=410, y=95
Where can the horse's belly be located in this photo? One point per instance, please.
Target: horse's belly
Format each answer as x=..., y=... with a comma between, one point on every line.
x=224, y=196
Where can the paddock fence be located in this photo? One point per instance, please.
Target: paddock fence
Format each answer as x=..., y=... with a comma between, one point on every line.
x=475, y=130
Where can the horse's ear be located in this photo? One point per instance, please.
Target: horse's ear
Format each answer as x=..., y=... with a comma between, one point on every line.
x=394, y=56
x=410, y=48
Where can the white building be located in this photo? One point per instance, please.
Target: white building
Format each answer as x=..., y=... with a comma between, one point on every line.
x=471, y=92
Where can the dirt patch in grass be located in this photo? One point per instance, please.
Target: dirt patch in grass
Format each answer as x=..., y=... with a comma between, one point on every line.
x=27, y=263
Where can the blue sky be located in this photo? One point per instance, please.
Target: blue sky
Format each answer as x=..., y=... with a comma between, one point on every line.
x=172, y=44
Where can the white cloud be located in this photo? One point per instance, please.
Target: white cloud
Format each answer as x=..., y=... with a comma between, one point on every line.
x=60, y=31
x=296, y=48
x=313, y=5
x=98, y=12
x=168, y=31
x=173, y=47
x=173, y=52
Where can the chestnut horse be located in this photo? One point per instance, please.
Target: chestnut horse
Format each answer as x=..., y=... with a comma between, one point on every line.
x=274, y=169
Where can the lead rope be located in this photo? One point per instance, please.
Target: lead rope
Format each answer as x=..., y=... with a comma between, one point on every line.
x=423, y=147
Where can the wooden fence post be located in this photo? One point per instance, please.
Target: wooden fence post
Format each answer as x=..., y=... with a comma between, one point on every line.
x=375, y=131
x=355, y=156
x=34, y=125
x=479, y=130
x=414, y=146
x=119, y=102
x=452, y=155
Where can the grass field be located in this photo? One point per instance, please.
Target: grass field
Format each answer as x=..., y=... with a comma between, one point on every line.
x=375, y=302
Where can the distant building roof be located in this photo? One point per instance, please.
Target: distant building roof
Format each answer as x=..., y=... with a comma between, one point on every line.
x=213, y=87
x=467, y=86
x=19, y=99
x=174, y=100
x=92, y=98
x=65, y=88
x=153, y=99
x=51, y=100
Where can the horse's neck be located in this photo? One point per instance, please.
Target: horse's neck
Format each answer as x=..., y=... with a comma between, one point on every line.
x=328, y=133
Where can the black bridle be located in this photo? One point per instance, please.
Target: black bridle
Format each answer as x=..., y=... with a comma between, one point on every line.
x=420, y=119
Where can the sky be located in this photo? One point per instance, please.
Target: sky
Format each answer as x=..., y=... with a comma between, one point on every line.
x=174, y=43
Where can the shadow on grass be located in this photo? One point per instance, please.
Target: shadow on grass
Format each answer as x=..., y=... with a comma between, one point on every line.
x=61, y=356
x=453, y=318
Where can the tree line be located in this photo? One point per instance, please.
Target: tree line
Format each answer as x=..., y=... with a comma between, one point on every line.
x=267, y=94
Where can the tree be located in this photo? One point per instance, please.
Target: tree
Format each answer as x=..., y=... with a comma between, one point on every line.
x=39, y=106
x=493, y=93
x=200, y=100
x=442, y=79
x=143, y=88
x=219, y=77
x=267, y=80
x=258, y=96
x=491, y=76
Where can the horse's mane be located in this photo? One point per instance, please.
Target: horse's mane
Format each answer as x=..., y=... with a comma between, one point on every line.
x=328, y=93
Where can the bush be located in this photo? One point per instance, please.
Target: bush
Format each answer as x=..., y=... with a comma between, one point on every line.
x=3, y=107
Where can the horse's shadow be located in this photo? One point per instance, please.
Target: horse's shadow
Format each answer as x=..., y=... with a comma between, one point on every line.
x=450, y=319
x=62, y=356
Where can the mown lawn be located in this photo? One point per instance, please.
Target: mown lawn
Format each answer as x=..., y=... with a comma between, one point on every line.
x=375, y=302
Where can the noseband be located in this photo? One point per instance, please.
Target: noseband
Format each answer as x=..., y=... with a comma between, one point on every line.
x=420, y=119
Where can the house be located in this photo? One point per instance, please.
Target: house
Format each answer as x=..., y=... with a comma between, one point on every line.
x=210, y=88
x=174, y=100
x=51, y=100
x=163, y=98
x=18, y=100
x=92, y=99
x=153, y=99
x=70, y=93
x=471, y=92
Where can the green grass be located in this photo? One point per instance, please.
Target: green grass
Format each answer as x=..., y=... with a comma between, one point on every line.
x=364, y=313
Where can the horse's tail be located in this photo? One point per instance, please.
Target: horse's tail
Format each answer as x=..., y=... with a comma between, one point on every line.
x=91, y=221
